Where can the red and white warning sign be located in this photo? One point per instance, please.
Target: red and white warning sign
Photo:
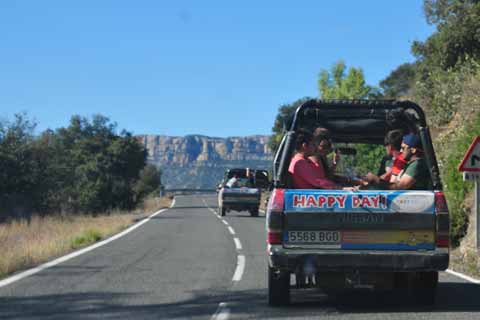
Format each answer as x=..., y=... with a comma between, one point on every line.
x=471, y=160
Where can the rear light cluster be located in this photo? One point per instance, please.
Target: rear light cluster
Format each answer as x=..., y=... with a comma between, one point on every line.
x=274, y=217
x=443, y=220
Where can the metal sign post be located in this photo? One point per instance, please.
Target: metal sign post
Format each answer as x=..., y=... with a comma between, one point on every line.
x=475, y=176
x=477, y=212
x=470, y=166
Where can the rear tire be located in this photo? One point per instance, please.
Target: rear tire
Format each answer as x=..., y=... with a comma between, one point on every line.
x=254, y=212
x=278, y=288
x=222, y=211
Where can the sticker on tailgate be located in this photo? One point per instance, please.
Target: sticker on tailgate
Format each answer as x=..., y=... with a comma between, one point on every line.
x=361, y=201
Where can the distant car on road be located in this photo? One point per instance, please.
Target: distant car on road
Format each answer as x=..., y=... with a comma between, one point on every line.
x=241, y=190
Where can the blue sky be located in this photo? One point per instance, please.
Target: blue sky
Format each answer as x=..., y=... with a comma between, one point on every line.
x=218, y=68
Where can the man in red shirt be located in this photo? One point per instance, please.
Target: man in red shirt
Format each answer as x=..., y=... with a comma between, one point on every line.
x=393, y=163
x=305, y=174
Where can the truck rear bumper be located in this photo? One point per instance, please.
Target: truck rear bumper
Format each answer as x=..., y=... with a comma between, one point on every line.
x=347, y=260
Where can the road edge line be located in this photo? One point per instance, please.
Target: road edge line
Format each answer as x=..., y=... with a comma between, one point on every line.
x=463, y=276
x=222, y=312
x=238, y=244
x=237, y=276
x=29, y=272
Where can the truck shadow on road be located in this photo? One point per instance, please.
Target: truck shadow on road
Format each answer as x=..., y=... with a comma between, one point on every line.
x=452, y=297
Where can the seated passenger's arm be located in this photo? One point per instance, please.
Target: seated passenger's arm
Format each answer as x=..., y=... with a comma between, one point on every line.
x=405, y=183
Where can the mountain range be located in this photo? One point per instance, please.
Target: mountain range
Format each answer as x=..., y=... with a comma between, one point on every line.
x=197, y=161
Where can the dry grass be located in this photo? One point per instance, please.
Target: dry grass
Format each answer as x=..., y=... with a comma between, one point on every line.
x=24, y=244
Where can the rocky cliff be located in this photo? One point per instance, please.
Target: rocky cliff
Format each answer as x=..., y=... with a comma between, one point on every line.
x=196, y=161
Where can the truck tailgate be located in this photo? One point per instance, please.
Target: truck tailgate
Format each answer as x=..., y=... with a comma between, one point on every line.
x=364, y=220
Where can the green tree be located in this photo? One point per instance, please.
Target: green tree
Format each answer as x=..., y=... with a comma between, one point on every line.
x=342, y=84
x=283, y=121
x=400, y=81
x=107, y=165
x=149, y=181
x=17, y=164
x=336, y=84
x=457, y=36
x=449, y=57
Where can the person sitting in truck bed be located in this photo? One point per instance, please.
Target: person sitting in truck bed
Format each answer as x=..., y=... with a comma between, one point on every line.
x=329, y=168
x=232, y=182
x=392, y=164
x=415, y=175
x=323, y=147
x=303, y=172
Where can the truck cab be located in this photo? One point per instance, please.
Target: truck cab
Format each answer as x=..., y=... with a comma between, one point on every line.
x=371, y=238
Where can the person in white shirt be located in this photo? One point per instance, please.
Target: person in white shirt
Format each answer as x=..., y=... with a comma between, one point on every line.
x=232, y=182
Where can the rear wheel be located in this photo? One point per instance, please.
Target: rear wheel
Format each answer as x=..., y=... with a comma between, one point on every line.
x=254, y=212
x=221, y=210
x=278, y=287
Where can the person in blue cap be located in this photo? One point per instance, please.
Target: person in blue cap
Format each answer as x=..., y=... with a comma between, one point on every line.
x=415, y=175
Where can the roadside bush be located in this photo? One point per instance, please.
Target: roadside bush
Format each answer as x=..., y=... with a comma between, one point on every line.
x=442, y=91
x=149, y=182
x=88, y=237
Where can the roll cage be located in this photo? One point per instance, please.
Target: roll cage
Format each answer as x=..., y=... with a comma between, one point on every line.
x=356, y=121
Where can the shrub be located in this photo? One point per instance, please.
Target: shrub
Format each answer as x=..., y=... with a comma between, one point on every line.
x=87, y=237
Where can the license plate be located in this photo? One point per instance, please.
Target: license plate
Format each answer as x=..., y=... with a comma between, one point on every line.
x=323, y=237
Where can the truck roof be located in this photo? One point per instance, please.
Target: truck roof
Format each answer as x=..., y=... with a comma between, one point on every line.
x=359, y=121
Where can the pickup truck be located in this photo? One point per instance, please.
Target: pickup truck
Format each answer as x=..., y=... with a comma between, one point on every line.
x=241, y=190
x=369, y=239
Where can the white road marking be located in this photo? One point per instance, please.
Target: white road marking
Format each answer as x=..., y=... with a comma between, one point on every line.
x=237, y=276
x=32, y=271
x=222, y=312
x=463, y=276
x=211, y=210
x=238, y=244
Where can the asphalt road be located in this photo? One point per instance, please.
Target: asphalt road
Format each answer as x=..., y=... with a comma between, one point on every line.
x=186, y=264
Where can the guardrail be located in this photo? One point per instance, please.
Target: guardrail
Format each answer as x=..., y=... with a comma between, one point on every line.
x=188, y=191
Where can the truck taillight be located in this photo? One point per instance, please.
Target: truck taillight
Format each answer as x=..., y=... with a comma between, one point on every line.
x=276, y=200
x=440, y=203
x=274, y=237
x=443, y=220
x=275, y=217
